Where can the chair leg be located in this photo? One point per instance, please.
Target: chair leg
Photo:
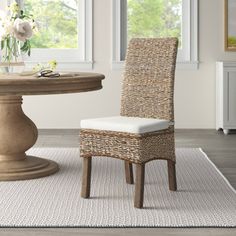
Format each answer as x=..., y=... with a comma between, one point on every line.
x=139, y=185
x=86, y=178
x=172, y=175
x=129, y=173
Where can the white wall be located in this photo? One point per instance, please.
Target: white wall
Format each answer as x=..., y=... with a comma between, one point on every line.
x=195, y=90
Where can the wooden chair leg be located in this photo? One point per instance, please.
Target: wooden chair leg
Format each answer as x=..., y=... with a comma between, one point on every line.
x=86, y=178
x=129, y=173
x=172, y=175
x=139, y=185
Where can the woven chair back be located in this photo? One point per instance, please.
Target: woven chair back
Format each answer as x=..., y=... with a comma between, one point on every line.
x=148, y=85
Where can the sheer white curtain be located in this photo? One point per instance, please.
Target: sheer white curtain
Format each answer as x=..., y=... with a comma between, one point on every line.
x=3, y=5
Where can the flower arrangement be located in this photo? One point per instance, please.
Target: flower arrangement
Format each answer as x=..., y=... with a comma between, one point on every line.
x=16, y=30
x=51, y=65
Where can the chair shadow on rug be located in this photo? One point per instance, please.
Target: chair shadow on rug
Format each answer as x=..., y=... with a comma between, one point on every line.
x=144, y=131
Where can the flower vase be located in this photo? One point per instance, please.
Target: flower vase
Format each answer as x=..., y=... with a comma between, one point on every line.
x=11, y=58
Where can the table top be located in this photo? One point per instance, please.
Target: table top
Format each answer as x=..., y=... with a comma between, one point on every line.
x=73, y=82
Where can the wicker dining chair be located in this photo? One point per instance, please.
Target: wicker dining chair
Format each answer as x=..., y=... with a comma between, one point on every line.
x=144, y=131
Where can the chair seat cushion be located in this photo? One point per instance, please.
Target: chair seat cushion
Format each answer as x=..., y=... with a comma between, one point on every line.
x=125, y=124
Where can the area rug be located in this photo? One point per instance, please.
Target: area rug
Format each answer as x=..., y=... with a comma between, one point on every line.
x=204, y=197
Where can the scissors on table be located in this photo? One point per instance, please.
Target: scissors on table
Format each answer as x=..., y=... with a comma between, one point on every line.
x=48, y=74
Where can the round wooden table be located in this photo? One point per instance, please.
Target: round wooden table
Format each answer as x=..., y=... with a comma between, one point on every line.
x=18, y=133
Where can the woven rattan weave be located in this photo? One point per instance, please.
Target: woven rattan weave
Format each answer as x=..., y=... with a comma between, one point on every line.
x=148, y=92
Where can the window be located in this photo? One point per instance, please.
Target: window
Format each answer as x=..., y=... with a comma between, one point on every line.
x=65, y=32
x=156, y=18
x=58, y=22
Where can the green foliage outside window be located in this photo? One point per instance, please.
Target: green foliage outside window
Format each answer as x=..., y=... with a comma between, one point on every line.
x=57, y=21
x=154, y=18
x=232, y=41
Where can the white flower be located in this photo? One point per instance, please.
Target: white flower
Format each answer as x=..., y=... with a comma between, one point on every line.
x=6, y=28
x=2, y=15
x=22, y=30
x=8, y=25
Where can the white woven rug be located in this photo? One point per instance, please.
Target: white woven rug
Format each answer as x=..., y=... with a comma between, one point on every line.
x=204, y=197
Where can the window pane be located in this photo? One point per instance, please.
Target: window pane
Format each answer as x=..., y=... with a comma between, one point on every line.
x=154, y=18
x=58, y=23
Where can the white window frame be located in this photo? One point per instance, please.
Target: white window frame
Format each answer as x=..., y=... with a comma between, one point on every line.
x=70, y=59
x=187, y=56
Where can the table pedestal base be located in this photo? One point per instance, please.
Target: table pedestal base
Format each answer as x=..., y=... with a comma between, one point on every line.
x=29, y=168
x=18, y=134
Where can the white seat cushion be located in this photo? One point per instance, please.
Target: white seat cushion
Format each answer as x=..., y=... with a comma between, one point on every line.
x=125, y=124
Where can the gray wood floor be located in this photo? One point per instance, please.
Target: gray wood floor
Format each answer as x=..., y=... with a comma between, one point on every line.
x=221, y=150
